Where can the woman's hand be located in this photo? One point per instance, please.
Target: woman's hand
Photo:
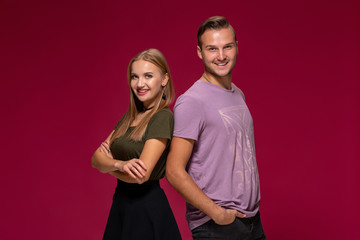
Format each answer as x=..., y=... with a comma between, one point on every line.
x=105, y=148
x=134, y=167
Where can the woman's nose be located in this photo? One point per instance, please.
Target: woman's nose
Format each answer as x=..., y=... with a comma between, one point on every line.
x=140, y=82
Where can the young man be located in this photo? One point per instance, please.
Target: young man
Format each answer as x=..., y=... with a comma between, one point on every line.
x=212, y=161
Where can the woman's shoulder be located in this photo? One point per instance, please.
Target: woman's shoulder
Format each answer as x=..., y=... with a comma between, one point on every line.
x=161, y=124
x=164, y=112
x=162, y=115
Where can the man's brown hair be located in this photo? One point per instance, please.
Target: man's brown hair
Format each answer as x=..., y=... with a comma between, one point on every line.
x=215, y=22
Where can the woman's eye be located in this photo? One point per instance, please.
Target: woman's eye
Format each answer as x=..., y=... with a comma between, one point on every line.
x=133, y=77
x=148, y=76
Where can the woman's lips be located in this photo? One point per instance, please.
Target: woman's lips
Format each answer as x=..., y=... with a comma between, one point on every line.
x=142, y=91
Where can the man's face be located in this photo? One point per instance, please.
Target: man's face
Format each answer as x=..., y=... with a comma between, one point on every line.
x=218, y=52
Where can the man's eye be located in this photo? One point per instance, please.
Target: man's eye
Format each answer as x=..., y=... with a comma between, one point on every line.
x=212, y=49
x=228, y=47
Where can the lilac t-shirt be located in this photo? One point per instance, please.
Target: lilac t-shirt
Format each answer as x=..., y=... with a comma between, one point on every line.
x=223, y=161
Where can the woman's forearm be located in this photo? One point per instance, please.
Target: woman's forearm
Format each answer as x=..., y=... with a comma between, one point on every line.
x=103, y=163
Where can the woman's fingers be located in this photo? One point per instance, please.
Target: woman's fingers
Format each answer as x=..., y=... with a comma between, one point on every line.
x=142, y=164
x=138, y=170
x=134, y=170
x=128, y=170
x=105, y=145
x=103, y=148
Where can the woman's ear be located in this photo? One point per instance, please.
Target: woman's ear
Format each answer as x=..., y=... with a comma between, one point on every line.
x=165, y=80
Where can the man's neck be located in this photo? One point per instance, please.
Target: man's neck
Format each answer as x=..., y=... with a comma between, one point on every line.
x=224, y=82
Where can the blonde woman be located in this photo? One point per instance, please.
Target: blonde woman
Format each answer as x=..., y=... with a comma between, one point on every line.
x=136, y=151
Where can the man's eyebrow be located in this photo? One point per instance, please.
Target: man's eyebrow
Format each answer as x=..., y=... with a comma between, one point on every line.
x=210, y=46
x=214, y=46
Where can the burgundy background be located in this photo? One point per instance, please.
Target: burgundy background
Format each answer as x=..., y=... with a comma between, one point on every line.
x=63, y=88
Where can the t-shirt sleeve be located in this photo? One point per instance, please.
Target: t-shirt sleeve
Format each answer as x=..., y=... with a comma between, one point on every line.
x=188, y=118
x=238, y=90
x=161, y=125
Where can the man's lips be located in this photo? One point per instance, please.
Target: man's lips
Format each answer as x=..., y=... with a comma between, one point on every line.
x=222, y=64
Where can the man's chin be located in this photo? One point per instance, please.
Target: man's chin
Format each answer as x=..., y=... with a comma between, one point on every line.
x=221, y=74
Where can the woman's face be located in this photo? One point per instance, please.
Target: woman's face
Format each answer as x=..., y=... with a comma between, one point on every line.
x=146, y=81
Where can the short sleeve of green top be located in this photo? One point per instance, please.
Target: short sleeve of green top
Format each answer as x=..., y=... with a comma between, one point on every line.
x=161, y=125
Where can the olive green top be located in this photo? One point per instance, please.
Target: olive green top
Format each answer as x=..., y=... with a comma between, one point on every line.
x=161, y=125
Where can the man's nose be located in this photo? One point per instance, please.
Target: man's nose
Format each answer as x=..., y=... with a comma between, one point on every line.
x=221, y=55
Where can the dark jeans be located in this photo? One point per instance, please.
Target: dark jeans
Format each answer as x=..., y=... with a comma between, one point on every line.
x=241, y=229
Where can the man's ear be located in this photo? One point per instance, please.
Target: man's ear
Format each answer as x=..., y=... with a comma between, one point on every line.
x=199, y=52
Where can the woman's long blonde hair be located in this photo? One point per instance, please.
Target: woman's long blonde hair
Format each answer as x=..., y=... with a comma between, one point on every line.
x=155, y=57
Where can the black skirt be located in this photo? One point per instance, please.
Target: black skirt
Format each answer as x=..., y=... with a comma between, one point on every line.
x=140, y=212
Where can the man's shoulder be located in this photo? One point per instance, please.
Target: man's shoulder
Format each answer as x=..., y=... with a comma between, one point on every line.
x=191, y=102
x=191, y=95
x=195, y=88
x=238, y=90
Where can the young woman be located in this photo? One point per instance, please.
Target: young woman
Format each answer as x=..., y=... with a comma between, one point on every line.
x=135, y=153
